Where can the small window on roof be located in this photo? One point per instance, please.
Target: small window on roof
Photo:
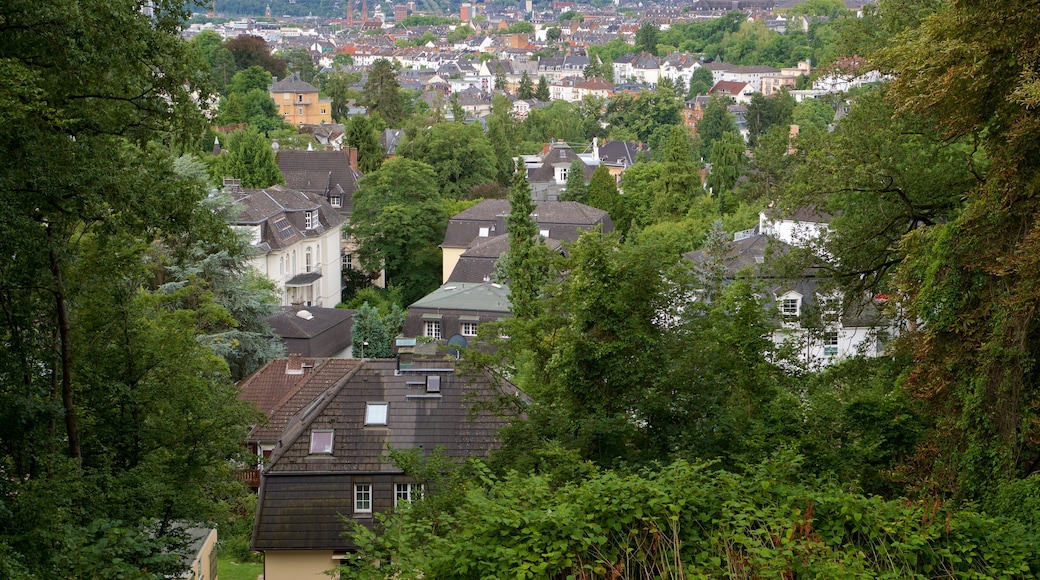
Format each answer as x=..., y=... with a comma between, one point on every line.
x=375, y=413
x=284, y=227
x=321, y=441
x=543, y=233
x=484, y=232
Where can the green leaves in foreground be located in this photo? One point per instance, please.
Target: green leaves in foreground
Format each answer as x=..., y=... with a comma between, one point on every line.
x=691, y=521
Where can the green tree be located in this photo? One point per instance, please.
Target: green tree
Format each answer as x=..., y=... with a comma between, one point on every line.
x=250, y=51
x=577, y=189
x=542, y=91
x=812, y=114
x=337, y=86
x=716, y=122
x=522, y=271
x=647, y=38
x=553, y=34
x=398, y=222
x=373, y=332
x=360, y=134
x=766, y=112
x=728, y=158
x=298, y=60
x=525, y=90
x=500, y=77
x=503, y=136
x=245, y=80
x=638, y=117
x=603, y=193
x=117, y=420
x=701, y=82
x=250, y=158
x=460, y=154
x=382, y=93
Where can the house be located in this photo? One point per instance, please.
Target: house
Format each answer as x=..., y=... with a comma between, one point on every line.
x=822, y=325
x=618, y=155
x=478, y=262
x=200, y=559
x=297, y=238
x=299, y=103
x=557, y=220
x=314, y=332
x=457, y=309
x=331, y=174
x=739, y=91
x=547, y=173
x=330, y=462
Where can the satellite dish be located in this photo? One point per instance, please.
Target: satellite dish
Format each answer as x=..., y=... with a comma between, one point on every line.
x=456, y=342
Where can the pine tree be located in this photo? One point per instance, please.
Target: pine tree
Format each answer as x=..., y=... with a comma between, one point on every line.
x=576, y=190
x=526, y=89
x=523, y=231
x=542, y=92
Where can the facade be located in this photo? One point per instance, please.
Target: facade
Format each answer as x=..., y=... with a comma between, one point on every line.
x=821, y=325
x=457, y=309
x=547, y=173
x=299, y=103
x=297, y=235
x=330, y=461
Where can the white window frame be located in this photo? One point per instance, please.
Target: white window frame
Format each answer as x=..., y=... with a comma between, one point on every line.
x=336, y=201
x=432, y=329
x=484, y=232
x=407, y=492
x=362, y=498
x=311, y=219
x=790, y=307
x=320, y=447
x=308, y=259
x=830, y=343
x=377, y=414
x=468, y=328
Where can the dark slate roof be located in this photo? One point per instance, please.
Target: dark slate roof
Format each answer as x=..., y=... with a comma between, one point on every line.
x=292, y=84
x=269, y=206
x=477, y=264
x=302, y=495
x=289, y=324
x=559, y=153
x=321, y=172
x=563, y=219
x=621, y=153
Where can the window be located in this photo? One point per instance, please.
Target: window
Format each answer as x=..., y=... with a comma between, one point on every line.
x=563, y=173
x=543, y=233
x=321, y=441
x=284, y=228
x=363, y=498
x=348, y=261
x=375, y=413
x=308, y=259
x=323, y=111
x=468, y=328
x=407, y=492
x=484, y=232
x=432, y=329
x=311, y=219
x=789, y=307
x=336, y=201
x=299, y=98
x=830, y=344
x=299, y=110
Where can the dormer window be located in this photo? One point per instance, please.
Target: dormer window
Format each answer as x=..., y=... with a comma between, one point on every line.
x=321, y=442
x=311, y=219
x=789, y=307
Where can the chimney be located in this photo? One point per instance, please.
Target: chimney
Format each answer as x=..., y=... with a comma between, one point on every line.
x=352, y=153
x=595, y=148
x=294, y=364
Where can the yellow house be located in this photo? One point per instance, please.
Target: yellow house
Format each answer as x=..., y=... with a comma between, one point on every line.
x=299, y=103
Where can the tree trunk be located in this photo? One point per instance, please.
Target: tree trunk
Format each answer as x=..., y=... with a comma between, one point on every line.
x=66, y=358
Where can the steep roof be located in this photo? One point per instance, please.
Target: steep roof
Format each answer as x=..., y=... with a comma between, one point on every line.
x=302, y=494
x=321, y=172
x=292, y=84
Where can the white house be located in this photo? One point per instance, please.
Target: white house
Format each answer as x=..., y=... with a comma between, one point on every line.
x=297, y=235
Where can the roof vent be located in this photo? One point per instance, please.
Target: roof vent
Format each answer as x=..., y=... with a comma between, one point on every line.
x=305, y=314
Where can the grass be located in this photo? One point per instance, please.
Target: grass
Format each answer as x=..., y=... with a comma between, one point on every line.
x=231, y=570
